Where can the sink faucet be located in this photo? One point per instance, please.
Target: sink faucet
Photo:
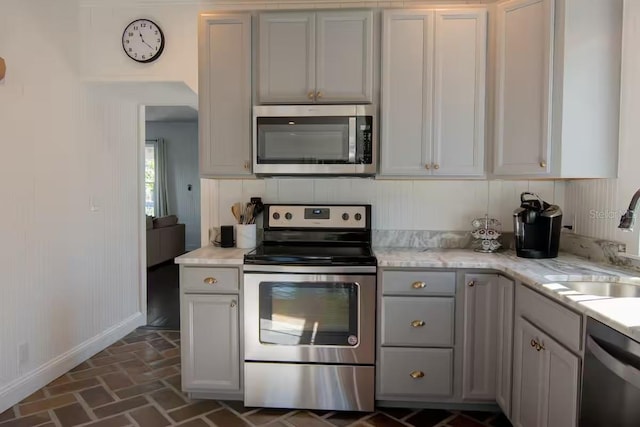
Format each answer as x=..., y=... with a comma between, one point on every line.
x=627, y=220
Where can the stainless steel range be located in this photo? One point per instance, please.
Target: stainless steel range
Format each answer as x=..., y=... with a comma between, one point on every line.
x=309, y=309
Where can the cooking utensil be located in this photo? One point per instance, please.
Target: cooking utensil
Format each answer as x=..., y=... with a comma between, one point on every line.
x=236, y=210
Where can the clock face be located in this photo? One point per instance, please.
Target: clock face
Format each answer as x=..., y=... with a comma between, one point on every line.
x=143, y=40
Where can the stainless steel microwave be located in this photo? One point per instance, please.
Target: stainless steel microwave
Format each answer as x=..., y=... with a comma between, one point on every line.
x=314, y=140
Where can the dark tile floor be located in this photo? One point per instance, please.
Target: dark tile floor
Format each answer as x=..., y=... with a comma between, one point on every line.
x=136, y=382
x=163, y=296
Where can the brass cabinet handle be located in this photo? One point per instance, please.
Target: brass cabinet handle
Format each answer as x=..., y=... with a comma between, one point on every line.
x=543, y=164
x=310, y=95
x=319, y=94
x=418, y=285
x=427, y=166
x=471, y=284
x=247, y=165
x=417, y=323
x=537, y=345
x=416, y=374
x=436, y=166
x=210, y=280
x=233, y=303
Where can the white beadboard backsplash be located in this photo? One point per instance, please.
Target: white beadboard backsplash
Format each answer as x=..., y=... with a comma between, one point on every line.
x=397, y=204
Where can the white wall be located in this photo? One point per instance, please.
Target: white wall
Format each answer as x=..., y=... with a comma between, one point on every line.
x=397, y=205
x=598, y=204
x=68, y=274
x=181, y=139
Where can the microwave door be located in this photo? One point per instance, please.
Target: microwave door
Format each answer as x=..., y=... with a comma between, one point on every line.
x=305, y=141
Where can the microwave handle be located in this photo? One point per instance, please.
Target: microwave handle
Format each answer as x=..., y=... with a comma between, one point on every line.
x=352, y=139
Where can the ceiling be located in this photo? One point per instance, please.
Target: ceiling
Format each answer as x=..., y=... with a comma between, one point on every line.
x=176, y=113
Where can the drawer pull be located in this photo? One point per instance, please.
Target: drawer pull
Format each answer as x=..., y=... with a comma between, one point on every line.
x=233, y=303
x=416, y=374
x=536, y=344
x=472, y=283
x=418, y=285
x=417, y=323
x=533, y=342
x=210, y=280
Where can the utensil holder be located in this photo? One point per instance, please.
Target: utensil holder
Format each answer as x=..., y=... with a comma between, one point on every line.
x=245, y=236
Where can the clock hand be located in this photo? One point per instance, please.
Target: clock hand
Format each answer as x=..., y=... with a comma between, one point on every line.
x=142, y=39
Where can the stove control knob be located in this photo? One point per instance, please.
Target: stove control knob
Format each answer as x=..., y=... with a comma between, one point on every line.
x=358, y=217
x=276, y=216
x=345, y=216
x=288, y=215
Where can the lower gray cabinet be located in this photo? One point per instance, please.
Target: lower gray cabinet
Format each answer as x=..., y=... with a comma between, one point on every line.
x=547, y=343
x=480, y=336
x=504, y=347
x=210, y=343
x=411, y=321
x=415, y=372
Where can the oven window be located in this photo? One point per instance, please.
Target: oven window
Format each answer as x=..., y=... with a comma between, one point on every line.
x=303, y=140
x=308, y=313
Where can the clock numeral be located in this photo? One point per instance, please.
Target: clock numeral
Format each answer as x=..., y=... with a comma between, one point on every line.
x=135, y=28
x=130, y=50
x=155, y=32
x=143, y=25
x=144, y=57
x=130, y=34
x=127, y=41
x=156, y=48
x=136, y=55
x=158, y=40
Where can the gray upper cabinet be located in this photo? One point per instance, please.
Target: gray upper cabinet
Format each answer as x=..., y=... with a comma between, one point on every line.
x=315, y=57
x=433, y=92
x=557, y=96
x=480, y=336
x=224, y=66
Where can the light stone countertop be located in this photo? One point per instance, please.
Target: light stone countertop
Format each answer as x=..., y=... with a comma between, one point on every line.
x=213, y=255
x=622, y=314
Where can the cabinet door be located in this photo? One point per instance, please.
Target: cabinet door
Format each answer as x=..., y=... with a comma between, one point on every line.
x=224, y=60
x=546, y=380
x=528, y=376
x=286, y=53
x=504, y=345
x=344, y=65
x=210, y=343
x=407, y=81
x=480, y=326
x=523, y=83
x=459, y=92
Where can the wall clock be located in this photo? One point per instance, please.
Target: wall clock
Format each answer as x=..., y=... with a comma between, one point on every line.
x=143, y=41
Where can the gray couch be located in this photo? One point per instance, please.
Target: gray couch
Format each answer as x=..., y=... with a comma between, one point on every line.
x=165, y=239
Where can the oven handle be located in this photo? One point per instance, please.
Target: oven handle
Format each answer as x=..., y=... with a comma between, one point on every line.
x=628, y=373
x=283, y=269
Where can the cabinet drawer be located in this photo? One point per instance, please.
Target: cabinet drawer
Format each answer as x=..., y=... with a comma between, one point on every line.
x=408, y=321
x=209, y=279
x=418, y=283
x=553, y=318
x=431, y=367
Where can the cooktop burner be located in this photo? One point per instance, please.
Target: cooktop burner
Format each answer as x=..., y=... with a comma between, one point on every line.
x=311, y=254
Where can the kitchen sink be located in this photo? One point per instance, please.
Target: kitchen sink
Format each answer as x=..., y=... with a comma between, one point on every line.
x=604, y=289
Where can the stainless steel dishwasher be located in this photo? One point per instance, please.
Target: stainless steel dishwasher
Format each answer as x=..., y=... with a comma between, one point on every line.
x=611, y=379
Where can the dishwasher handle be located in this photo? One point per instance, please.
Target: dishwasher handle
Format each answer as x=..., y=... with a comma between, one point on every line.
x=628, y=372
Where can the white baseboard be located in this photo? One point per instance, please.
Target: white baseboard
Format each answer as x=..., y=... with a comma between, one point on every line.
x=27, y=384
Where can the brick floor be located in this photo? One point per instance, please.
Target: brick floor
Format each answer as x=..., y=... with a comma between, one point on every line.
x=136, y=382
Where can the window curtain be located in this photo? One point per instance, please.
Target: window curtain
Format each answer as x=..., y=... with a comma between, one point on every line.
x=162, y=206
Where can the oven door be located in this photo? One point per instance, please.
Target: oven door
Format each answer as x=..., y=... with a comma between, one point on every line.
x=312, y=318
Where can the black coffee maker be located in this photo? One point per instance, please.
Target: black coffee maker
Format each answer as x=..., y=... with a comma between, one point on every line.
x=536, y=225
